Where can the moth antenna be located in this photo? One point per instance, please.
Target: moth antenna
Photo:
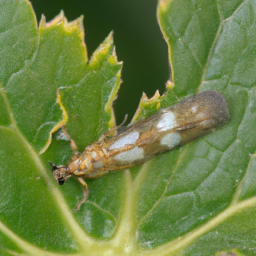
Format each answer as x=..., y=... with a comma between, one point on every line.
x=54, y=167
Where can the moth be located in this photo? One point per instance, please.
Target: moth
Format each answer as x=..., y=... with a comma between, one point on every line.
x=167, y=129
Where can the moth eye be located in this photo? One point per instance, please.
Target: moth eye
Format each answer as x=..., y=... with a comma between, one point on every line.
x=61, y=181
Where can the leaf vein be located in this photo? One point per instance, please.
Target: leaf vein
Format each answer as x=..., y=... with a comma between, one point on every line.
x=101, y=209
x=167, y=184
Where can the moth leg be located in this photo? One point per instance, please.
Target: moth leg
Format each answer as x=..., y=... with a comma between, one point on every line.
x=115, y=128
x=86, y=192
x=73, y=145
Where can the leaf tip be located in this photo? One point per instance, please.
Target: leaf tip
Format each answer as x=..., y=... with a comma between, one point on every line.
x=147, y=106
x=55, y=21
x=105, y=48
x=42, y=23
x=169, y=85
x=164, y=4
x=109, y=40
x=75, y=25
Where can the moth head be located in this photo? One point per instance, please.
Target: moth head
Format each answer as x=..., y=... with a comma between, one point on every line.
x=59, y=173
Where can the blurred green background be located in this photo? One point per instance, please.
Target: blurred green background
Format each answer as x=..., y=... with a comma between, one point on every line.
x=137, y=37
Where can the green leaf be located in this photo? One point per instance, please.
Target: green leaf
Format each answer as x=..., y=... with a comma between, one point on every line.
x=195, y=200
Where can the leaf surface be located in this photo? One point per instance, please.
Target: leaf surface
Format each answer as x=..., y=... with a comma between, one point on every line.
x=195, y=200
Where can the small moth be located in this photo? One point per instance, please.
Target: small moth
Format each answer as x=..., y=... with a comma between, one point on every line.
x=167, y=129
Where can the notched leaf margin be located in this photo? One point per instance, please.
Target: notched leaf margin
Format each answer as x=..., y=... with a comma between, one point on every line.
x=77, y=25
